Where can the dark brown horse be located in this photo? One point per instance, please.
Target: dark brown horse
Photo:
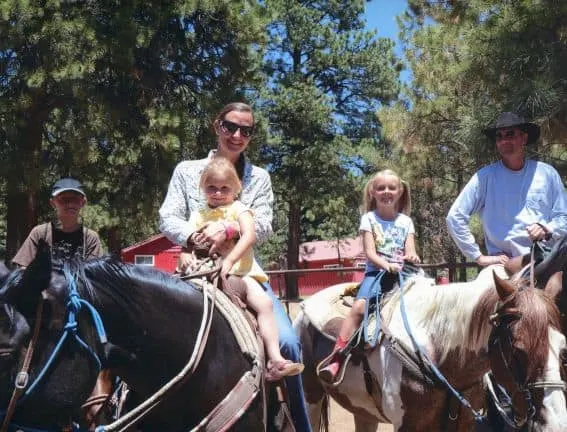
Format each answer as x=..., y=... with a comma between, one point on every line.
x=152, y=321
x=466, y=329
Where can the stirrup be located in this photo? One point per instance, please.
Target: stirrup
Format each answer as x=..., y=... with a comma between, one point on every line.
x=342, y=365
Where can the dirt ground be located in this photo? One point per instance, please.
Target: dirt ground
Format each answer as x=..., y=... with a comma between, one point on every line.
x=341, y=420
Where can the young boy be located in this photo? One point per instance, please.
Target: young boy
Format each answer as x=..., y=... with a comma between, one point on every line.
x=66, y=235
x=68, y=238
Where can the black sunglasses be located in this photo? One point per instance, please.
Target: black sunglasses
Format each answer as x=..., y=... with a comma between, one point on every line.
x=231, y=128
x=511, y=133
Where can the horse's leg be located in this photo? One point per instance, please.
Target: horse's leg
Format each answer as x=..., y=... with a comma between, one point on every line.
x=314, y=393
x=365, y=425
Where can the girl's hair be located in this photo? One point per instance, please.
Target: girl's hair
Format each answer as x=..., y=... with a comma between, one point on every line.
x=221, y=167
x=404, y=203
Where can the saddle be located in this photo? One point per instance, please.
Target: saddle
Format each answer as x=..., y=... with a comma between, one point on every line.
x=328, y=320
x=230, y=301
x=326, y=311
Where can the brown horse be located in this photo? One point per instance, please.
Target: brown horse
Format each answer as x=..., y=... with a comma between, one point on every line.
x=466, y=329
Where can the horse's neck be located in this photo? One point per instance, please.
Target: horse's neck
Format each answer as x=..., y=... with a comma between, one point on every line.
x=444, y=318
x=135, y=309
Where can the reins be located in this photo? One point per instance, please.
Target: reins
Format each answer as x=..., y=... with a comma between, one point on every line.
x=135, y=415
x=22, y=377
x=479, y=418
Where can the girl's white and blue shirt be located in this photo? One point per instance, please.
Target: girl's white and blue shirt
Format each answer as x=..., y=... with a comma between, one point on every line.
x=389, y=236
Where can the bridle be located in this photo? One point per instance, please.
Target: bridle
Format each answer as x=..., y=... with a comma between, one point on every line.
x=515, y=417
x=73, y=306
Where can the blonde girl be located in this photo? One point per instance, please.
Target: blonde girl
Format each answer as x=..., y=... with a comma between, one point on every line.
x=388, y=237
x=221, y=186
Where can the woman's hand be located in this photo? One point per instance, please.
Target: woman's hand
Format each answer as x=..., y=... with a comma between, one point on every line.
x=212, y=233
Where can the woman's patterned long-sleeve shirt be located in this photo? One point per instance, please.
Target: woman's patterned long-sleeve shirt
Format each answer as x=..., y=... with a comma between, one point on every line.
x=184, y=196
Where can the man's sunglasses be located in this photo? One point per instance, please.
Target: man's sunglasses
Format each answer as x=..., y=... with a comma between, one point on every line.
x=71, y=199
x=507, y=134
x=231, y=128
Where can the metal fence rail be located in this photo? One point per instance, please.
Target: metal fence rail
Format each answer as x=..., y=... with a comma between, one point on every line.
x=310, y=281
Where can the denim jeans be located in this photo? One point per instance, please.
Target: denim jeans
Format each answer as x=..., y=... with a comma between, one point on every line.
x=290, y=349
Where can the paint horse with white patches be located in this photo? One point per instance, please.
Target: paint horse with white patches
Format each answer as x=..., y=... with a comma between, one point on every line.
x=466, y=329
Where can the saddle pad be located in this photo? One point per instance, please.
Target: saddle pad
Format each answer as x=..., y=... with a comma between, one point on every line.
x=328, y=307
x=243, y=332
x=332, y=303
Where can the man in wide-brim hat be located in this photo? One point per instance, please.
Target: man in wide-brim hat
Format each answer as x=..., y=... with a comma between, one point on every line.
x=512, y=122
x=519, y=200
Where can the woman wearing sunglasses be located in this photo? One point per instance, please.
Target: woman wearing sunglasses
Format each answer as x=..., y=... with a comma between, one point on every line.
x=234, y=127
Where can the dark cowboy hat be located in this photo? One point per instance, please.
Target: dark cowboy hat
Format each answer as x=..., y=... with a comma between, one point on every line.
x=509, y=120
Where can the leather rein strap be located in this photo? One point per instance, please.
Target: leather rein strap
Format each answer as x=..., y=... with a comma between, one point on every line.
x=135, y=415
x=22, y=378
x=235, y=403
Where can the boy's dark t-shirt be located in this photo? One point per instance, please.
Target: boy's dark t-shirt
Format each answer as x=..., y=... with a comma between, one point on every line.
x=83, y=244
x=67, y=245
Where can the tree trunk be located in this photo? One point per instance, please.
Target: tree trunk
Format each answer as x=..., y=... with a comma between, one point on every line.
x=114, y=241
x=463, y=270
x=294, y=218
x=21, y=217
x=24, y=178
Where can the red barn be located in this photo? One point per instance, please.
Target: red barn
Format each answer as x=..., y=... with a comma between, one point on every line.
x=330, y=254
x=156, y=251
x=159, y=252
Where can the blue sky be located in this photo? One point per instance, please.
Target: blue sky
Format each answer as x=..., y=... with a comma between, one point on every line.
x=381, y=16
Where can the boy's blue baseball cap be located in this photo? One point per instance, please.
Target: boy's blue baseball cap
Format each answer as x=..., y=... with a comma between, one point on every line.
x=67, y=184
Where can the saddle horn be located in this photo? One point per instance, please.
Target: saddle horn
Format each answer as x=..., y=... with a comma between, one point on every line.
x=555, y=261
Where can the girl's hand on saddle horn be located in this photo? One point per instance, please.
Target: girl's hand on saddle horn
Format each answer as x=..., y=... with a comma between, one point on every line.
x=186, y=261
x=394, y=267
x=227, y=265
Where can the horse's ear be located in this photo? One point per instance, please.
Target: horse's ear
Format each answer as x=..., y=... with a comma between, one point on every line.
x=504, y=287
x=4, y=271
x=36, y=277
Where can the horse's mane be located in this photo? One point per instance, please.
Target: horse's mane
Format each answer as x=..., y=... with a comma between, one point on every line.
x=446, y=311
x=12, y=278
x=457, y=315
x=124, y=282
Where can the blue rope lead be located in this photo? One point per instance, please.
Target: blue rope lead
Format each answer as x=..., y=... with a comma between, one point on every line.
x=74, y=306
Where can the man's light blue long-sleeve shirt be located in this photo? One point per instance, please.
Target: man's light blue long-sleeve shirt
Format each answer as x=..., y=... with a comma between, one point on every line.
x=508, y=202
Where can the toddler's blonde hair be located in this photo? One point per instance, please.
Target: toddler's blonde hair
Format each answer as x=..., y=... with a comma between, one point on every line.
x=221, y=168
